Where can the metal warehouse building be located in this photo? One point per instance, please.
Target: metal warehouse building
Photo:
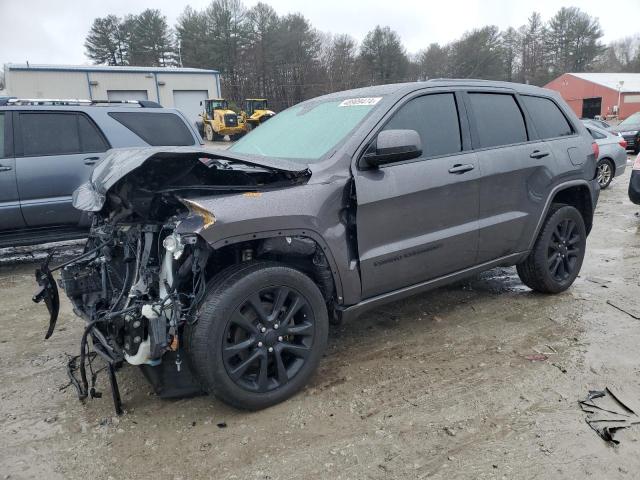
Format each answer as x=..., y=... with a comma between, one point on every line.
x=181, y=88
x=591, y=94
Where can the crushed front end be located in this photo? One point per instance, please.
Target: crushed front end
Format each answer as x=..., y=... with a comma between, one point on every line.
x=144, y=270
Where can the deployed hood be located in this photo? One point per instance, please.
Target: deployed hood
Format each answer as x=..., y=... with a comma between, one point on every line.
x=118, y=163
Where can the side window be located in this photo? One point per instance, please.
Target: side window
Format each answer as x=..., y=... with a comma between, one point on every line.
x=596, y=135
x=91, y=140
x=435, y=118
x=550, y=122
x=157, y=129
x=499, y=120
x=50, y=133
x=2, y=144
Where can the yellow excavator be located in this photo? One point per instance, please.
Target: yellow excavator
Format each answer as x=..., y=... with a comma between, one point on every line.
x=218, y=120
x=255, y=112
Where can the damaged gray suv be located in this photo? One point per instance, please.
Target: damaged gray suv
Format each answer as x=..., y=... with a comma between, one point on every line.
x=219, y=271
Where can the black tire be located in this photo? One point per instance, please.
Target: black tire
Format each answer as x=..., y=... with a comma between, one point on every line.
x=604, y=172
x=545, y=270
x=228, y=320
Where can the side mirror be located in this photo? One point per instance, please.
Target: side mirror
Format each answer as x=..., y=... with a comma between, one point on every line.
x=394, y=146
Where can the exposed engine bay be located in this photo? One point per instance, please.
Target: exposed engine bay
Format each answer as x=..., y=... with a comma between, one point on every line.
x=145, y=268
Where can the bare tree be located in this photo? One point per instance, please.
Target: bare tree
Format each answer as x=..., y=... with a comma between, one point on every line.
x=340, y=61
x=433, y=62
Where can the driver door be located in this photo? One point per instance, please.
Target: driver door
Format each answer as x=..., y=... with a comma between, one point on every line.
x=417, y=220
x=10, y=214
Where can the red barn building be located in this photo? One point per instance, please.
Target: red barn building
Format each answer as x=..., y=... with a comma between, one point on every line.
x=591, y=94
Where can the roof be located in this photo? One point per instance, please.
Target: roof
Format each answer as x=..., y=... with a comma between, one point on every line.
x=104, y=68
x=407, y=87
x=612, y=80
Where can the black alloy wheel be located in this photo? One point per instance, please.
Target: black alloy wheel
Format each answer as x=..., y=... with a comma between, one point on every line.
x=260, y=334
x=557, y=254
x=268, y=338
x=564, y=250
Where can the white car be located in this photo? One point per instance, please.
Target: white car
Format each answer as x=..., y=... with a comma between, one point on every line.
x=612, y=159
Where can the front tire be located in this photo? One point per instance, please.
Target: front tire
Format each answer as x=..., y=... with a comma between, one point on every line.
x=260, y=334
x=604, y=172
x=208, y=130
x=557, y=255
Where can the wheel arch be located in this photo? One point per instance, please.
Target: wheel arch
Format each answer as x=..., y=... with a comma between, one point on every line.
x=258, y=238
x=577, y=194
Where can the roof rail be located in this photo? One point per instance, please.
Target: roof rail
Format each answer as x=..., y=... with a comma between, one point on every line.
x=76, y=101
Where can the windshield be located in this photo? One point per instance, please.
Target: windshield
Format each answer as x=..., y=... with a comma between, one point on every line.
x=306, y=132
x=632, y=120
x=221, y=104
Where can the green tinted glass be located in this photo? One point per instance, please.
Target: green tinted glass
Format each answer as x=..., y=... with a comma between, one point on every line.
x=304, y=133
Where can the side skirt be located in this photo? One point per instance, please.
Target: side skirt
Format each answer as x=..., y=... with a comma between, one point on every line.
x=353, y=311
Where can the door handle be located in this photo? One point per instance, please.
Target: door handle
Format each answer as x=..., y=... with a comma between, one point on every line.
x=538, y=154
x=5, y=168
x=459, y=168
x=91, y=160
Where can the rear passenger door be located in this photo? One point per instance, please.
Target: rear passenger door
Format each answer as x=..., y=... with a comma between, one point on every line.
x=10, y=216
x=56, y=152
x=417, y=219
x=516, y=172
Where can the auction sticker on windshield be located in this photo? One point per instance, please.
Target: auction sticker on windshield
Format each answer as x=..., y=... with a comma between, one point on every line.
x=352, y=102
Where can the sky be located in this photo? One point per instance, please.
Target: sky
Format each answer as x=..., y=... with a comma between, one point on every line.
x=53, y=31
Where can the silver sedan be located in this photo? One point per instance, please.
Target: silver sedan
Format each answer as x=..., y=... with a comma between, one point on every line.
x=612, y=159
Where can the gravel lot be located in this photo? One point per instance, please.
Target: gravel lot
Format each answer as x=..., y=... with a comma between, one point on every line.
x=436, y=386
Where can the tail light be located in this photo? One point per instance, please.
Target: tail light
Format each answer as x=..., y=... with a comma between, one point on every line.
x=623, y=143
x=596, y=149
x=636, y=164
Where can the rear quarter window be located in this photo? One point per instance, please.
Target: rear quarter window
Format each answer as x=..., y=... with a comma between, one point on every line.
x=547, y=117
x=157, y=129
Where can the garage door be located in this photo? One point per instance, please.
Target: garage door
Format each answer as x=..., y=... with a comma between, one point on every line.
x=188, y=102
x=127, y=95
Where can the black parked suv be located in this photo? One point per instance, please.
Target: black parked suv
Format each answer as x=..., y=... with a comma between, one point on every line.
x=220, y=271
x=49, y=147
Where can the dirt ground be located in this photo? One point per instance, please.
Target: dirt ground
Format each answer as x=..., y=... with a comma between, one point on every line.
x=436, y=386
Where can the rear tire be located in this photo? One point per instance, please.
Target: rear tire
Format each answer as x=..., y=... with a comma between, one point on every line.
x=260, y=334
x=555, y=260
x=604, y=172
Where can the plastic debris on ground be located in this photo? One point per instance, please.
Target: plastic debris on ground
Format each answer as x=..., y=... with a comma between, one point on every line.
x=607, y=414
